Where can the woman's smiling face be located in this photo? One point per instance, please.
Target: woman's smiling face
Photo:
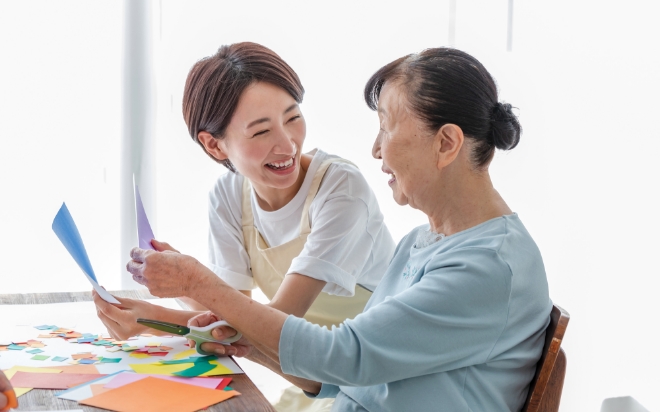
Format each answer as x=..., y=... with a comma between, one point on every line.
x=265, y=136
x=401, y=144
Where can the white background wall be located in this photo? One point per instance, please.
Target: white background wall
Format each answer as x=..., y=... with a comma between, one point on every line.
x=584, y=179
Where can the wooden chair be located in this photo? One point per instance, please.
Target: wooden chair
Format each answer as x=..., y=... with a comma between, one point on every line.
x=545, y=389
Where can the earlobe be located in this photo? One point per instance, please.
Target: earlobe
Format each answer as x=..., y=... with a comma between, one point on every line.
x=212, y=145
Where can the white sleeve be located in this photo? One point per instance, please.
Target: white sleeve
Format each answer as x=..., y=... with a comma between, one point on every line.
x=340, y=243
x=227, y=255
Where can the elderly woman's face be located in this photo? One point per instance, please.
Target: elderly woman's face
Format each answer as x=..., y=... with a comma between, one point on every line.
x=402, y=145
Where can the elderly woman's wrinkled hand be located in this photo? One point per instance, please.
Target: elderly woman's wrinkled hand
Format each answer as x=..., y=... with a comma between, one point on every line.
x=167, y=273
x=240, y=348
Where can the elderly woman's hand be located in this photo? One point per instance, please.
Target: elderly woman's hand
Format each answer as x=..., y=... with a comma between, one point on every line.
x=121, y=320
x=241, y=347
x=166, y=273
x=7, y=395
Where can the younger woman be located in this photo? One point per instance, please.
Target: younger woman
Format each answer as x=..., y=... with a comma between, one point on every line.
x=303, y=227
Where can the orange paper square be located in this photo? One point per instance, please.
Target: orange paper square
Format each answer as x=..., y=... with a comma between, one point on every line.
x=156, y=395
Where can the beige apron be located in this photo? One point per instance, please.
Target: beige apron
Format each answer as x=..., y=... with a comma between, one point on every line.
x=270, y=265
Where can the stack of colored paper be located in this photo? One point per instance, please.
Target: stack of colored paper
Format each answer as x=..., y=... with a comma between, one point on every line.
x=127, y=392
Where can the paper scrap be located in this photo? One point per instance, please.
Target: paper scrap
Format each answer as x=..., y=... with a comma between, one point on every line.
x=145, y=234
x=185, y=354
x=46, y=327
x=110, y=360
x=40, y=357
x=162, y=369
x=155, y=395
x=197, y=369
x=189, y=360
x=66, y=230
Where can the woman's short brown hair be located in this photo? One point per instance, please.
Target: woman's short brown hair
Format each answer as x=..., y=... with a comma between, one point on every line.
x=215, y=84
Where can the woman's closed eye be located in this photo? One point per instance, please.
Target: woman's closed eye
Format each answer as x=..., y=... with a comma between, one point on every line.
x=296, y=117
x=261, y=132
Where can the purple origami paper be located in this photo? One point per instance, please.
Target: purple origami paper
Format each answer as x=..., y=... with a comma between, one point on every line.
x=145, y=234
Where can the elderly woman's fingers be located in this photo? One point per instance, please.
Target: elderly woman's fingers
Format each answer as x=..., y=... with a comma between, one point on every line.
x=139, y=255
x=162, y=246
x=134, y=268
x=140, y=279
x=219, y=349
x=203, y=319
x=223, y=332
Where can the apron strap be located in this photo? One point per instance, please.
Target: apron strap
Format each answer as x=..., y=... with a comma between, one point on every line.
x=246, y=203
x=314, y=188
x=248, y=217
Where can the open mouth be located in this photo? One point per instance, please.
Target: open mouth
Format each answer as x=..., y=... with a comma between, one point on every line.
x=392, y=179
x=281, y=165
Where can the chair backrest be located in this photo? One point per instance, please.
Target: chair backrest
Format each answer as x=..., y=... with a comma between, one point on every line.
x=545, y=389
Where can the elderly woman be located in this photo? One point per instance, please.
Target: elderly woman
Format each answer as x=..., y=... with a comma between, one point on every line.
x=458, y=320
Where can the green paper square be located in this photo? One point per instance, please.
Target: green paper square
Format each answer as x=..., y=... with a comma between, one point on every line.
x=40, y=357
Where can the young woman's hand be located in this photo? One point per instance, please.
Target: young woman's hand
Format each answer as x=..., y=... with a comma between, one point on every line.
x=121, y=320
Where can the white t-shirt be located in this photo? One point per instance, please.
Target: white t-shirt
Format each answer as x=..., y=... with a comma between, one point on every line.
x=349, y=243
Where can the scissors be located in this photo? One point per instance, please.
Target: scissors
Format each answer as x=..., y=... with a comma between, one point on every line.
x=198, y=334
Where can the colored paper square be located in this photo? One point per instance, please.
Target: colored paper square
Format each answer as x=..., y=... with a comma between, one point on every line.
x=59, y=358
x=110, y=360
x=40, y=357
x=155, y=395
x=46, y=327
x=139, y=355
x=34, y=351
x=86, y=361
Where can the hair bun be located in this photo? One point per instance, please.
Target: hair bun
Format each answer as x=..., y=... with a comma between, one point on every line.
x=505, y=129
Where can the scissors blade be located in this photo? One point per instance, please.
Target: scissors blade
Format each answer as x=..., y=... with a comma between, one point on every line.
x=172, y=328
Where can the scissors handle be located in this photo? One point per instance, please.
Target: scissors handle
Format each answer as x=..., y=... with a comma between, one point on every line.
x=203, y=334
